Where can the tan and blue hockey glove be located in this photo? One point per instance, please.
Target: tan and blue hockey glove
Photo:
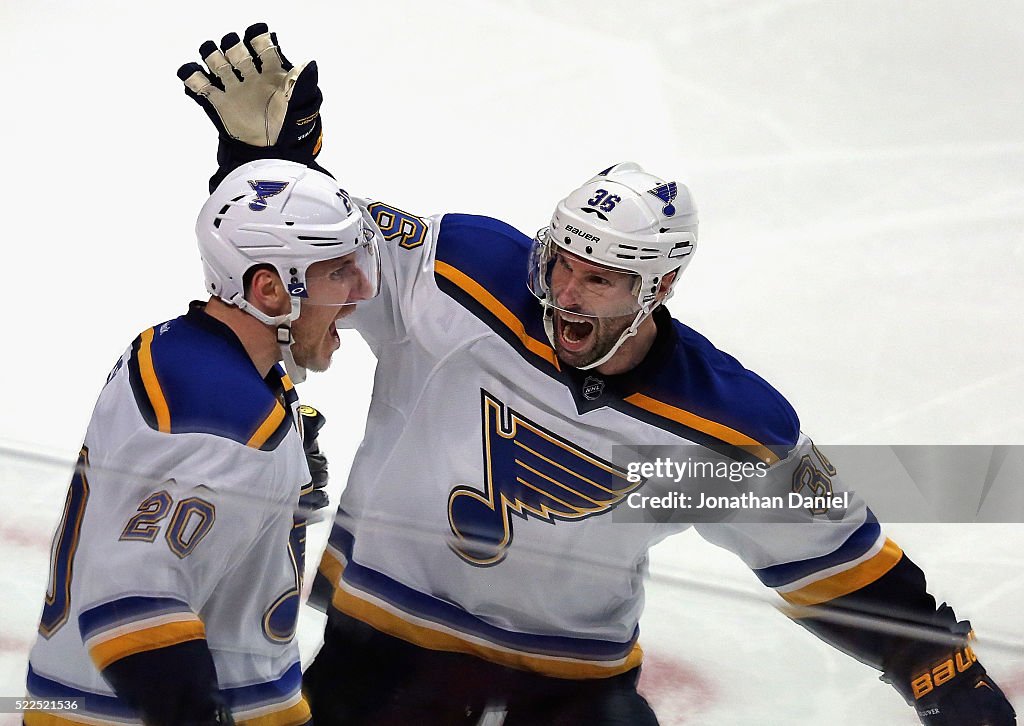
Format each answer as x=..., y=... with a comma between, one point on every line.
x=262, y=106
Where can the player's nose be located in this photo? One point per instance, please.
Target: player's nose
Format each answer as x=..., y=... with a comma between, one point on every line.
x=361, y=290
x=568, y=293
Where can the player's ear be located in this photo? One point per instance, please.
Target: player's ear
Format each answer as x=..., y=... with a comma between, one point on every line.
x=666, y=284
x=266, y=291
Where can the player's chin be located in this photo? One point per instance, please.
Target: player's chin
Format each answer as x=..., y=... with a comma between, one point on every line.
x=318, y=359
x=317, y=363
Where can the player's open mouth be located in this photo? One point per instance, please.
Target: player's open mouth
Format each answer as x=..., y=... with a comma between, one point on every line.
x=333, y=330
x=573, y=331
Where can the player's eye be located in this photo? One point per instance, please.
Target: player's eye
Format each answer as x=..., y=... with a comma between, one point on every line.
x=342, y=271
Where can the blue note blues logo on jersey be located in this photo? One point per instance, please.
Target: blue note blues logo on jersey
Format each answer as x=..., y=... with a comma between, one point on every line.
x=666, y=193
x=264, y=190
x=529, y=472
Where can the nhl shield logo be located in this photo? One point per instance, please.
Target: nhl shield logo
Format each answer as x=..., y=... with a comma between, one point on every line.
x=666, y=193
x=592, y=388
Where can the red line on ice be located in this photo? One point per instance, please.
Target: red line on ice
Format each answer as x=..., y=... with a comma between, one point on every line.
x=13, y=645
x=676, y=691
x=24, y=537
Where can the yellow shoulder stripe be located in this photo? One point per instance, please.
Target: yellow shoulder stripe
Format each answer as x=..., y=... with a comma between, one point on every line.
x=506, y=316
x=704, y=425
x=268, y=427
x=152, y=384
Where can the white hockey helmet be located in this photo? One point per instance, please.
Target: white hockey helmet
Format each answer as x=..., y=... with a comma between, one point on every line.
x=283, y=214
x=629, y=221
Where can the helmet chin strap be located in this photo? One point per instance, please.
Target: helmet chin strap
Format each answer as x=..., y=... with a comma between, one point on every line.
x=628, y=333
x=284, y=338
x=283, y=324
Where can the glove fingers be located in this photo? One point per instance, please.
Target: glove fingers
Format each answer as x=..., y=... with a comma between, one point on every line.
x=196, y=80
x=263, y=45
x=218, y=64
x=238, y=55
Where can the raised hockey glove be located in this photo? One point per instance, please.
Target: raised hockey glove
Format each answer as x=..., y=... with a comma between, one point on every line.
x=948, y=686
x=262, y=105
x=313, y=496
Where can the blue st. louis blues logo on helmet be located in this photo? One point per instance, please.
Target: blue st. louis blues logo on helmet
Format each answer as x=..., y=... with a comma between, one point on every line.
x=667, y=193
x=528, y=472
x=264, y=189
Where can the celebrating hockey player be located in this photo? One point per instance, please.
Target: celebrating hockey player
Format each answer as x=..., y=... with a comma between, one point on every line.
x=474, y=564
x=176, y=569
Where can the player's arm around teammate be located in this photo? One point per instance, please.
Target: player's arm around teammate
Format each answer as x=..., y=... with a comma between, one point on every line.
x=964, y=696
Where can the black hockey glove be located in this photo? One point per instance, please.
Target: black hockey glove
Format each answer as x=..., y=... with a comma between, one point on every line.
x=948, y=686
x=262, y=105
x=313, y=496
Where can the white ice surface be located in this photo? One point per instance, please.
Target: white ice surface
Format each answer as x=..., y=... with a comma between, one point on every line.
x=858, y=168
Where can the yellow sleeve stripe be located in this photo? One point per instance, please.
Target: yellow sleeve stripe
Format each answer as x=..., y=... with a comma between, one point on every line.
x=39, y=718
x=152, y=384
x=267, y=428
x=425, y=634
x=704, y=425
x=293, y=712
x=843, y=583
x=139, y=641
x=331, y=566
x=506, y=316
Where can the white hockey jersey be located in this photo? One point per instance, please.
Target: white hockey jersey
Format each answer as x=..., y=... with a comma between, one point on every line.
x=179, y=525
x=478, y=514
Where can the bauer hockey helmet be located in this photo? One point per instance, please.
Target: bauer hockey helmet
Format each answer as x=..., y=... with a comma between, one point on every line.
x=629, y=221
x=286, y=215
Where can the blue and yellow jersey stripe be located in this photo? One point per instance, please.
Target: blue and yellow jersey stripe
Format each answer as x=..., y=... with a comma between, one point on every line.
x=192, y=375
x=151, y=383
x=278, y=702
x=512, y=324
x=124, y=627
x=865, y=556
x=428, y=622
x=711, y=428
x=275, y=703
x=840, y=581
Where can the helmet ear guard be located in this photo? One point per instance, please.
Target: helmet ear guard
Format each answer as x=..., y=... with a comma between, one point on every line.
x=287, y=216
x=626, y=220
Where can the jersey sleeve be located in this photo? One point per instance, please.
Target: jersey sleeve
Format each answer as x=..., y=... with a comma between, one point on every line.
x=833, y=561
x=407, y=245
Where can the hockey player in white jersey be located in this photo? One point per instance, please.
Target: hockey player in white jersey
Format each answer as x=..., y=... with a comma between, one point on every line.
x=474, y=560
x=176, y=569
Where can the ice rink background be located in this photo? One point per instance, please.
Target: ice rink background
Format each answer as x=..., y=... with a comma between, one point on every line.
x=858, y=172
